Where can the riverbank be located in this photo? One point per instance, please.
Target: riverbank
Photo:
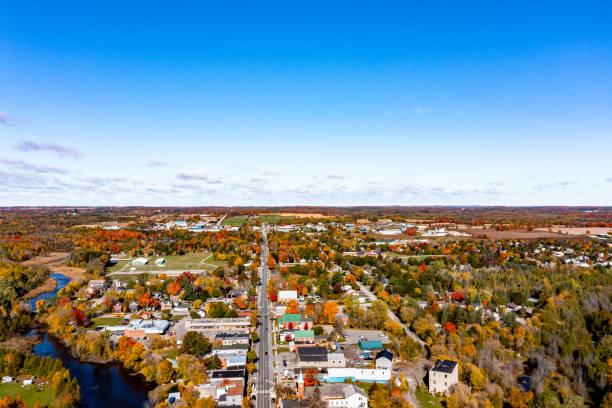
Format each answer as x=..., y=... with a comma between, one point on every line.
x=103, y=384
x=48, y=286
x=55, y=261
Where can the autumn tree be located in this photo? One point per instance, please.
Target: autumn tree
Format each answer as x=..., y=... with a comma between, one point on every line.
x=173, y=288
x=330, y=310
x=144, y=300
x=292, y=307
x=196, y=344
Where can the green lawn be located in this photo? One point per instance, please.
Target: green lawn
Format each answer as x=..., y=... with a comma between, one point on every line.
x=172, y=353
x=427, y=400
x=274, y=219
x=29, y=393
x=364, y=386
x=282, y=349
x=105, y=321
x=117, y=266
x=235, y=221
x=419, y=258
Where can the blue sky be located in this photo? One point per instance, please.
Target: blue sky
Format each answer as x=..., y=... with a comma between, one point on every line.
x=350, y=103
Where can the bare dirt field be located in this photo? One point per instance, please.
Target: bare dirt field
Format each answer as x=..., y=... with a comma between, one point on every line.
x=578, y=230
x=515, y=234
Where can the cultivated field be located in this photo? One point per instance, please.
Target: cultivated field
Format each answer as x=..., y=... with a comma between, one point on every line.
x=578, y=230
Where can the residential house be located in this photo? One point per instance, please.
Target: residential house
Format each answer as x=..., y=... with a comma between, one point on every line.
x=384, y=360
x=285, y=296
x=343, y=396
x=304, y=336
x=97, y=284
x=442, y=376
x=295, y=322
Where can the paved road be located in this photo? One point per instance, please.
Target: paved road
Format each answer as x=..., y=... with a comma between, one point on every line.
x=265, y=378
x=372, y=297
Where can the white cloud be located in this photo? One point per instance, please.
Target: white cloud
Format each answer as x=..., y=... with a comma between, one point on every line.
x=21, y=165
x=7, y=119
x=420, y=110
x=61, y=151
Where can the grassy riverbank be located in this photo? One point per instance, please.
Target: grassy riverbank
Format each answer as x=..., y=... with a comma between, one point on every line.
x=31, y=394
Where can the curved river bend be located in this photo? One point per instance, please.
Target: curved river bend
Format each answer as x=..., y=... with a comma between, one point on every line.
x=102, y=385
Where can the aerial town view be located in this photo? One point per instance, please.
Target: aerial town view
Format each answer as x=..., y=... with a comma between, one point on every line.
x=305, y=205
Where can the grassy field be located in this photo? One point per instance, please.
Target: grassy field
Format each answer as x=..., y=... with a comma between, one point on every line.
x=194, y=261
x=235, y=221
x=105, y=321
x=419, y=258
x=274, y=219
x=427, y=400
x=117, y=266
x=29, y=394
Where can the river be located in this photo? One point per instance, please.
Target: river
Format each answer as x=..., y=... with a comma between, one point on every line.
x=102, y=385
x=62, y=281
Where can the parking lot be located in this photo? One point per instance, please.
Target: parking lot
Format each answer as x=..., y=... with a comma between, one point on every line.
x=353, y=336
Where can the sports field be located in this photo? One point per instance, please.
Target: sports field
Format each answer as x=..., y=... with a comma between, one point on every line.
x=235, y=221
x=199, y=261
x=274, y=219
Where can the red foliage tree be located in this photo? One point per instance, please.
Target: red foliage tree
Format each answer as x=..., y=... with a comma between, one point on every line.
x=79, y=317
x=449, y=327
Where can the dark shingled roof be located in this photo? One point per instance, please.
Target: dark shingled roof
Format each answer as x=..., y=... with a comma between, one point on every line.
x=295, y=404
x=444, y=366
x=307, y=354
x=228, y=374
x=385, y=353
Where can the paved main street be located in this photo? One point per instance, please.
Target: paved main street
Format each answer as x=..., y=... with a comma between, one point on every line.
x=265, y=378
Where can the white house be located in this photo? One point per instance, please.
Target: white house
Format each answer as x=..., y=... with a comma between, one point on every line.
x=384, y=360
x=442, y=376
x=7, y=379
x=285, y=296
x=343, y=396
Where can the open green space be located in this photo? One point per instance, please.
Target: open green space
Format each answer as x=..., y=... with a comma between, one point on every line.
x=194, y=261
x=172, y=353
x=274, y=219
x=418, y=258
x=117, y=266
x=105, y=321
x=235, y=221
x=427, y=400
x=29, y=393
